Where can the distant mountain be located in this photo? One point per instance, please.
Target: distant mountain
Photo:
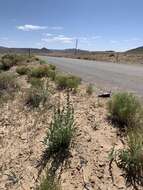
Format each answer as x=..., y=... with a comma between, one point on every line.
x=23, y=50
x=136, y=50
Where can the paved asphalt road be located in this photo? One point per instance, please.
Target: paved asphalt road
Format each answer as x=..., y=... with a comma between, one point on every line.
x=105, y=75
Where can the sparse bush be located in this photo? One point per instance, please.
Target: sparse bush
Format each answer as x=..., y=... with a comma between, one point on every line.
x=10, y=60
x=8, y=85
x=131, y=159
x=42, y=62
x=68, y=82
x=37, y=96
x=22, y=70
x=36, y=82
x=52, y=67
x=51, y=74
x=89, y=89
x=61, y=129
x=39, y=72
x=124, y=109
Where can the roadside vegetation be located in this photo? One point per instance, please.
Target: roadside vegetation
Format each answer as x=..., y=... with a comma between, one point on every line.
x=125, y=110
x=68, y=82
x=126, y=113
x=8, y=86
x=22, y=70
x=62, y=129
x=43, y=86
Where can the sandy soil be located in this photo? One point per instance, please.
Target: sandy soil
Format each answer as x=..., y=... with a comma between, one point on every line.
x=22, y=132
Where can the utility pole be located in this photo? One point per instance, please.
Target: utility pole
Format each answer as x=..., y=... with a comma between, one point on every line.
x=76, y=46
x=29, y=52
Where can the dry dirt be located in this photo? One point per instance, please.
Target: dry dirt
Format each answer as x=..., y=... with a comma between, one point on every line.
x=22, y=132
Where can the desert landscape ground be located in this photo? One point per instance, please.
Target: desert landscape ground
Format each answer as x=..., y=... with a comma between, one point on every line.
x=56, y=133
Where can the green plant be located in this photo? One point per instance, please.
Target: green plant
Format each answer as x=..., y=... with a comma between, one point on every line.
x=131, y=158
x=52, y=67
x=36, y=82
x=89, y=89
x=61, y=129
x=42, y=62
x=10, y=60
x=68, y=82
x=124, y=109
x=51, y=74
x=39, y=72
x=22, y=70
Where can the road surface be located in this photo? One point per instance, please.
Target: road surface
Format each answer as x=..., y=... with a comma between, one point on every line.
x=105, y=75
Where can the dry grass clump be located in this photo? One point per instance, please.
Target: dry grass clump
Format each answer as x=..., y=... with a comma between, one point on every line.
x=39, y=72
x=125, y=110
x=131, y=158
x=8, y=85
x=68, y=82
x=22, y=70
x=43, y=71
x=37, y=95
x=10, y=60
x=36, y=82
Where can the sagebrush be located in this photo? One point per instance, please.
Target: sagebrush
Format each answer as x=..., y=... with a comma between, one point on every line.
x=125, y=110
x=61, y=129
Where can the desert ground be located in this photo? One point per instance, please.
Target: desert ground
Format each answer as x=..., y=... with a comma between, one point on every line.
x=88, y=165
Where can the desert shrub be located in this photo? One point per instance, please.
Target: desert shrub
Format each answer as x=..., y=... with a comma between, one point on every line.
x=73, y=82
x=10, y=60
x=51, y=74
x=68, y=82
x=39, y=72
x=22, y=70
x=37, y=96
x=42, y=62
x=89, y=89
x=52, y=67
x=36, y=82
x=8, y=82
x=61, y=81
x=7, y=61
x=131, y=158
x=124, y=109
x=61, y=129
x=8, y=85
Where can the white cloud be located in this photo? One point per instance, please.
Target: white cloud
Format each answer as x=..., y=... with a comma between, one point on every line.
x=48, y=34
x=59, y=39
x=5, y=41
x=114, y=42
x=29, y=27
x=56, y=27
x=96, y=37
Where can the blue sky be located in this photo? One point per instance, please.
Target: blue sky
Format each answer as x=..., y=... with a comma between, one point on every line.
x=98, y=24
